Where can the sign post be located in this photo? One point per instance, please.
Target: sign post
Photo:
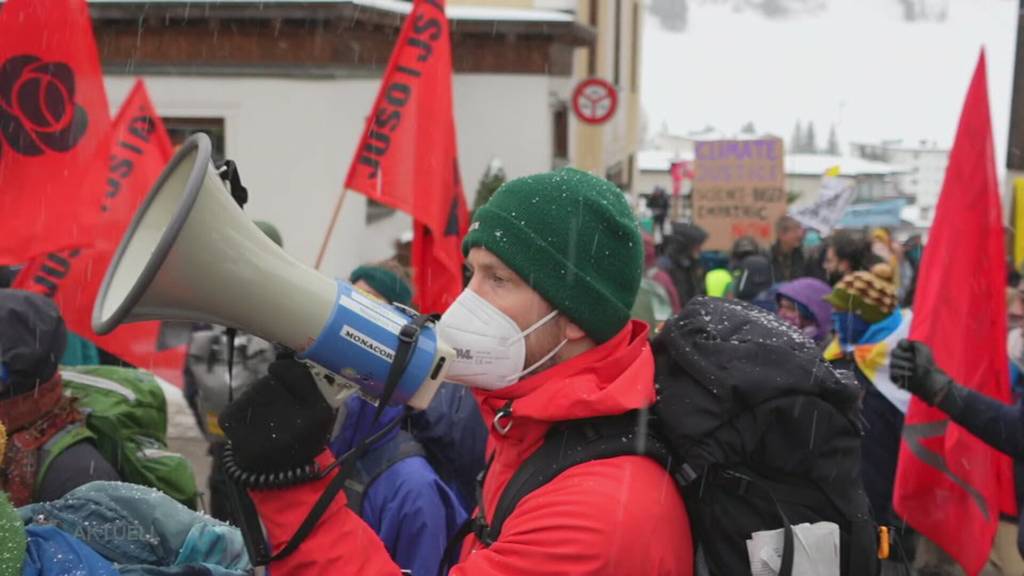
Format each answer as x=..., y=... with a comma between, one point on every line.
x=738, y=190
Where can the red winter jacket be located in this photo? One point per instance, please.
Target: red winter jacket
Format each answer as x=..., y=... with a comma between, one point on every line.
x=616, y=516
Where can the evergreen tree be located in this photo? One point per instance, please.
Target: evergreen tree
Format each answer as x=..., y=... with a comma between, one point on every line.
x=492, y=179
x=810, y=140
x=796, y=142
x=833, y=141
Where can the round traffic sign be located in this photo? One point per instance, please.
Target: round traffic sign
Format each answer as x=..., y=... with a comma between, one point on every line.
x=594, y=100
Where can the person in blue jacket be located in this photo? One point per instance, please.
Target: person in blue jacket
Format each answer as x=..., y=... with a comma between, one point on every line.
x=394, y=488
x=454, y=436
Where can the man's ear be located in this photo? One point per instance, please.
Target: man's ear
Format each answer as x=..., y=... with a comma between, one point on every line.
x=570, y=331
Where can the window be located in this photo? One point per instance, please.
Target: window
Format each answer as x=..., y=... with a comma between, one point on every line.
x=634, y=54
x=560, y=135
x=179, y=129
x=592, y=52
x=617, y=55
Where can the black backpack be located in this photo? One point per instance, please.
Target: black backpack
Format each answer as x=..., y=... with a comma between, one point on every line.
x=758, y=432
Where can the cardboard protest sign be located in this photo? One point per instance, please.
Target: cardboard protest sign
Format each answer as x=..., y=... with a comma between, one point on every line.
x=738, y=190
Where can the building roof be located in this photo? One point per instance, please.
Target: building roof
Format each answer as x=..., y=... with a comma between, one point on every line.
x=923, y=146
x=659, y=160
x=817, y=164
x=794, y=164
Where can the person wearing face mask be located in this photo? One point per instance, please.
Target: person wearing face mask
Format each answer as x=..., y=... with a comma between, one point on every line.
x=802, y=304
x=868, y=325
x=542, y=335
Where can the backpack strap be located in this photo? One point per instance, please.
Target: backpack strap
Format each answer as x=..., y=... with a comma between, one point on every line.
x=569, y=444
x=56, y=446
x=375, y=463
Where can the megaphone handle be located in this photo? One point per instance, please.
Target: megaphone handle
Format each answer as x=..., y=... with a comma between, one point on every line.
x=228, y=172
x=334, y=388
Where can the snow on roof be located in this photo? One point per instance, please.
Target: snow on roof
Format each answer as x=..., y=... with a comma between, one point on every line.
x=795, y=164
x=817, y=164
x=458, y=12
x=659, y=160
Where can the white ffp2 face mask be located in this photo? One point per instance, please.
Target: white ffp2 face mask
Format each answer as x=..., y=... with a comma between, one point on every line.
x=490, y=350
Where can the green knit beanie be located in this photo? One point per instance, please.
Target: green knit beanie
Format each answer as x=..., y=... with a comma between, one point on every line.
x=573, y=238
x=388, y=284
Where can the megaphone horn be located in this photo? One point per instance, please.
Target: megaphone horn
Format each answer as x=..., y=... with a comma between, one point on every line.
x=191, y=254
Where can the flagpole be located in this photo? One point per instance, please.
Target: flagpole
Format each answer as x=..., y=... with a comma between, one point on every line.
x=330, y=228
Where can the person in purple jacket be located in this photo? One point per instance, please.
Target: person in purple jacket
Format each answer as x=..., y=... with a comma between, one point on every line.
x=802, y=304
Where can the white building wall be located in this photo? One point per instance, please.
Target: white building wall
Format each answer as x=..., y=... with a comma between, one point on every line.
x=927, y=172
x=293, y=140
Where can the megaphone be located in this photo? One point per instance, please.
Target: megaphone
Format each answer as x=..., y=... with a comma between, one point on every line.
x=191, y=254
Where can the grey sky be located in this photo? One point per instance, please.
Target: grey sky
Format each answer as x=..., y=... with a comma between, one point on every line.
x=856, y=64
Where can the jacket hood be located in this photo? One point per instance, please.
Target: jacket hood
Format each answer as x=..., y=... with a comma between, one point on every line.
x=753, y=276
x=613, y=378
x=811, y=292
x=32, y=340
x=725, y=356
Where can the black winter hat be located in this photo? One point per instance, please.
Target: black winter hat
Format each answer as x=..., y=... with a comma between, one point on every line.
x=32, y=340
x=744, y=246
x=688, y=235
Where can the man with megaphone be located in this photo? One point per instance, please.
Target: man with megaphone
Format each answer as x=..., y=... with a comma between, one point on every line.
x=542, y=334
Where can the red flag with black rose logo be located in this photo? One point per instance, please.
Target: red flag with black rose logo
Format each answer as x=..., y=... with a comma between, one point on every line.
x=407, y=157
x=951, y=486
x=135, y=151
x=53, y=118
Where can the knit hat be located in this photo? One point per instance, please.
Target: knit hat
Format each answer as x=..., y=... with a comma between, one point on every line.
x=744, y=246
x=31, y=342
x=868, y=294
x=271, y=231
x=385, y=282
x=573, y=238
x=12, y=531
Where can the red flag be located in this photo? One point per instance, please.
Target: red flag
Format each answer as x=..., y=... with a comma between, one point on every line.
x=407, y=156
x=135, y=151
x=950, y=486
x=53, y=118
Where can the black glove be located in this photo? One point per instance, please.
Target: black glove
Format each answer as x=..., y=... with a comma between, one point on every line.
x=913, y=368
x=281, y=422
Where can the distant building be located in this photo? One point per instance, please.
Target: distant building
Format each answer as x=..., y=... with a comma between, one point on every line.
x=926, y=170
x=874, y=180
x=608, y=149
